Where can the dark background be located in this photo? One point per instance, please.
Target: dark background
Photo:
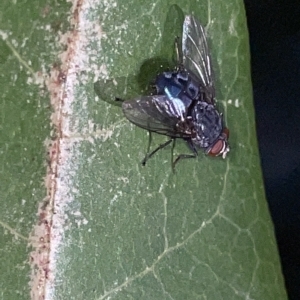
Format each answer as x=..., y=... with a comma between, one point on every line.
x=274, y=29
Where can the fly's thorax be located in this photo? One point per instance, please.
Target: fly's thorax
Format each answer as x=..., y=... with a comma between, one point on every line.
x=207, y=123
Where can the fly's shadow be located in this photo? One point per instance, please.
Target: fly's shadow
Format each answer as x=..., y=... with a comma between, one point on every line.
x=131, y=86
x=142, y=83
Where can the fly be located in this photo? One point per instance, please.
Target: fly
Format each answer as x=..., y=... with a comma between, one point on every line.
x=184, y=103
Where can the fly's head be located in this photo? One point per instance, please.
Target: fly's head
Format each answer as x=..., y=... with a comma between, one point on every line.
x=220, y=147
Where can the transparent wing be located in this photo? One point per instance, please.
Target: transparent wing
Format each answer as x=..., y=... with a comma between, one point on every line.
x=196, y=57
x=158, y=114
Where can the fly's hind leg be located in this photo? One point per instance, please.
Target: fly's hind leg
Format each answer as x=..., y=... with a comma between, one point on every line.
x=150, y=154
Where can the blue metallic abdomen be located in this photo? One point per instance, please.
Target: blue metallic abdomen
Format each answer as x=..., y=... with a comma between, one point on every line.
x=178, y=85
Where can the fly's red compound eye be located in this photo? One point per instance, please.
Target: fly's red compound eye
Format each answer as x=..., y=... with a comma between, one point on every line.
x=220, y=147
x=217, y=148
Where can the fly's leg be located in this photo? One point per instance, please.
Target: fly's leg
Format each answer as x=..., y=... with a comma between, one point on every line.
x=149, y=144
x=182, y=156
x=149, y=155
x=179, y=55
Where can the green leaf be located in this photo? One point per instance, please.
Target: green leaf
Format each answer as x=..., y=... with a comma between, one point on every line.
x=133, y=232
x=120, y=230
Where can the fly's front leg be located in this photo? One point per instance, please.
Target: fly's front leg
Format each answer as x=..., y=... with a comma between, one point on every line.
x=182, y=156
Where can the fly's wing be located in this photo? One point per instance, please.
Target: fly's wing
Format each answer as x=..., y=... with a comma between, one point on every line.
x=157, y=114
x=196, y=57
